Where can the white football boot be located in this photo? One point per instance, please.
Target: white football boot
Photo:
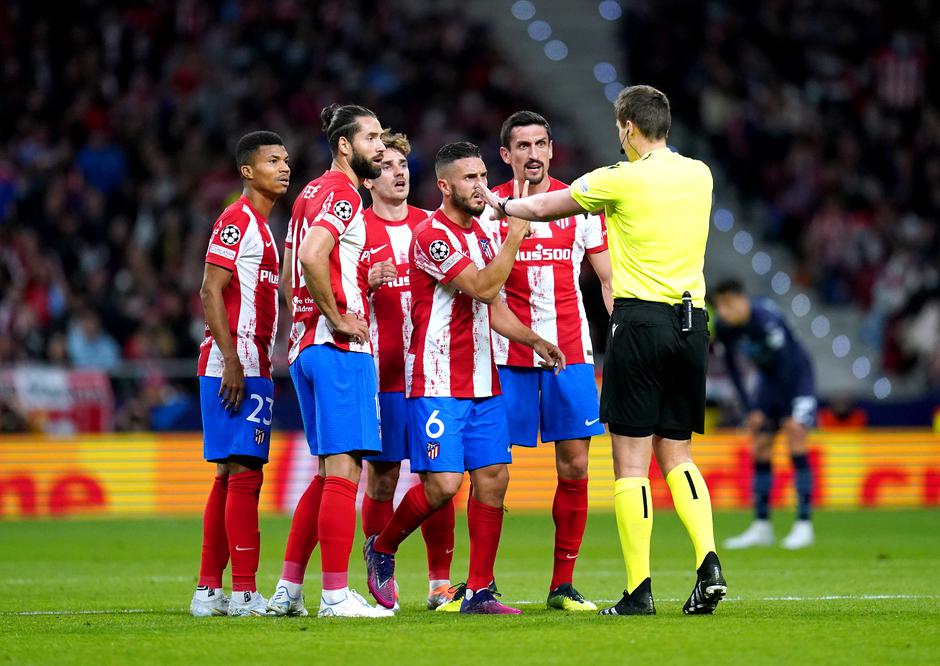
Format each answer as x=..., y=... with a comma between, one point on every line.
x=352, y=605
x=247, y=603
x=288, y=599
x=800, y=536
x=760, y=533
x=208, y=602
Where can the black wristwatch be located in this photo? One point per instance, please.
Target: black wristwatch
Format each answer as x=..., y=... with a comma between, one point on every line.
x=502, y=205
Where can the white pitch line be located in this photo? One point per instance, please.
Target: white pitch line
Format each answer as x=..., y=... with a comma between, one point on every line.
x=524, y=602
x=74, y=580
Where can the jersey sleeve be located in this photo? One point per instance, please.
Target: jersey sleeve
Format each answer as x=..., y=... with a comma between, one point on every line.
x=336, y=212
x=601, y=188
x=436, y=254
x=594, y=233
x=227, y=239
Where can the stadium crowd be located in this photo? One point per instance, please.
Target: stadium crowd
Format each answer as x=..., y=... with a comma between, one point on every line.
x=829, y=115
x=117, y=125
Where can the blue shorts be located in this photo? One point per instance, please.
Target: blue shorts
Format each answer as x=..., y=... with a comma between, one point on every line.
x=795, y=398
x=338, y=397
x=246, y=432
x=457, y=434
x=566, y=403
x=393, y=428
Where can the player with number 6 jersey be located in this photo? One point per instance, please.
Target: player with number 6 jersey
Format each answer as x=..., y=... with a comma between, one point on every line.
x=457, y=419
x=239, y=295
x=543, y=291
x=389, y=225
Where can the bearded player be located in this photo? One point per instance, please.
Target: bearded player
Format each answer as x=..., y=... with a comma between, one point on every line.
x=389, y=225
x=331, y=362
x=457, y=418
x=543, y=292
x=239, y=296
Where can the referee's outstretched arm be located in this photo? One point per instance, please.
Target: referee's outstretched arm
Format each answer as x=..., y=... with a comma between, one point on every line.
x=543, y=207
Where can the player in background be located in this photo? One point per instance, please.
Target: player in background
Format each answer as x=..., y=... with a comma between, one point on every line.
x=239, y=296
x=389, y=224
x=544, y=293
x=331, y=362
x=783, y=400
x=457, y=418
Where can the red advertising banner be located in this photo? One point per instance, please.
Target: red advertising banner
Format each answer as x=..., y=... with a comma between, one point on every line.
x=165, y=474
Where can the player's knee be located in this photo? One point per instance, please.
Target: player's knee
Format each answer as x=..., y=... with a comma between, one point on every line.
x=573, y=469
x=439, y=491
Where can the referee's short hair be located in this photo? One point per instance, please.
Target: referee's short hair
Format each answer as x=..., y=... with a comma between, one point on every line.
x=645, y=107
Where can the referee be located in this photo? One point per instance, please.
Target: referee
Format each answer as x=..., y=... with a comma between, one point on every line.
x=657, y=206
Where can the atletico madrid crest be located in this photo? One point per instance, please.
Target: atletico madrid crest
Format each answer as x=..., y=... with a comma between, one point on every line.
x=259, y=436
x=563, y=223
x=434, y=449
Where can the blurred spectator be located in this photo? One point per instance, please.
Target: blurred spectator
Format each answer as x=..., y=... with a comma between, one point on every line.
x=842, y=414
x=117, y=127
x=825, y=114
x=89, y=346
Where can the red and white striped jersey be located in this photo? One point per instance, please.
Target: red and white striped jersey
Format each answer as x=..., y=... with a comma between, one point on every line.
x=390, y=304
x=543, y=289
x=242, y=243
x=332, y=203
x=451, y=353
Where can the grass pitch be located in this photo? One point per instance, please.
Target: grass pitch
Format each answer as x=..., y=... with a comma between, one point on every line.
x=117, y=591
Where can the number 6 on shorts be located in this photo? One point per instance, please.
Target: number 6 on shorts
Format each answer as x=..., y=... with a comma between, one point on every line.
x=436, y=423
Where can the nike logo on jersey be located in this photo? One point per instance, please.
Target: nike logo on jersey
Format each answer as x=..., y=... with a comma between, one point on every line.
x=590, y=423
x=613, y=330
x=269, y=244
x=373, y=250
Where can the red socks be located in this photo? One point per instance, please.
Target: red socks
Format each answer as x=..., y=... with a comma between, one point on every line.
x=241, y=525
x=569, y=511
x=438, y=532
x=485, y=523
x=413, y=510
x=375, y=515
x=303, y=533
x=336, y=527
x=214, y=539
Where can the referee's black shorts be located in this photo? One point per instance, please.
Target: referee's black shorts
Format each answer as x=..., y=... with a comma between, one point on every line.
x=654, y=374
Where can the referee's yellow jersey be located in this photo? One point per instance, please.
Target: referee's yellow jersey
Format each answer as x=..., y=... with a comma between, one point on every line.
x=657, y=211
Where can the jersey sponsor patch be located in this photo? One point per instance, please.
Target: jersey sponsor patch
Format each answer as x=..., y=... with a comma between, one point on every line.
x=343, y=210
x=230, y=235
x=222, y=251
x=439, y=250
x=450, y=263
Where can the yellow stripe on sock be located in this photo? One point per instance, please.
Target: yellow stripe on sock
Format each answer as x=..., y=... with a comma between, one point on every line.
x=694, y=506
x=633, y=504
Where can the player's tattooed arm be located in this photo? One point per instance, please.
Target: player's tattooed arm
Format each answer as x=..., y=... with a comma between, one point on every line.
x=214, y=281
x=314, y=257
x=382, y=273
x=504, y=322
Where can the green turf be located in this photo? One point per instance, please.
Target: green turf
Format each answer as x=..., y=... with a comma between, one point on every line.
x=109, y=565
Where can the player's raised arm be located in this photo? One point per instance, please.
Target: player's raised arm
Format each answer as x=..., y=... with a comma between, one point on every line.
x=485, y=284
x=314, y=257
